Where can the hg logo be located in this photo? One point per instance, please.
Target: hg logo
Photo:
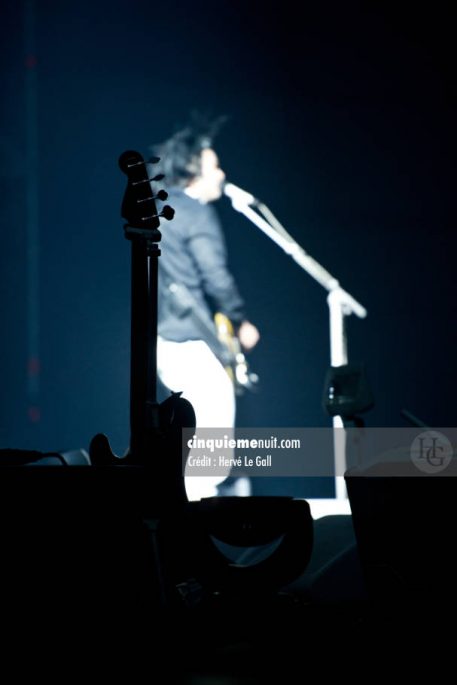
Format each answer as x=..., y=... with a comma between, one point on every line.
x=431, y=452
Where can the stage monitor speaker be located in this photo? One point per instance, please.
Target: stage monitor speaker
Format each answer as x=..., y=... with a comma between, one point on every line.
x=405, y=532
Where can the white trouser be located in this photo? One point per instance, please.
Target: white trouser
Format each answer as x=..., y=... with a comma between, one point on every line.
x=191, y=367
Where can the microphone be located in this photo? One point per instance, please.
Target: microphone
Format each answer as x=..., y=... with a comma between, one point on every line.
x=239, y=197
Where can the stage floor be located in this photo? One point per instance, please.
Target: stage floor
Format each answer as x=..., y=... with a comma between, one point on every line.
x=328, y=507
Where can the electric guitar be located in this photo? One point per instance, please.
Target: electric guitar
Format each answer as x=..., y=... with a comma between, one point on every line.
x=155, y=429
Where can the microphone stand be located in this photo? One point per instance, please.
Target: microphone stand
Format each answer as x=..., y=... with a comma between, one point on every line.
x=341, y=304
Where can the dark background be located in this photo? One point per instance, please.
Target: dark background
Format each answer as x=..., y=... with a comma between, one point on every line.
x=341, y=120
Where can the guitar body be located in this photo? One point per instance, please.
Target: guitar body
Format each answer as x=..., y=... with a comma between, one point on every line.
x=237, y=369
x=162, y=456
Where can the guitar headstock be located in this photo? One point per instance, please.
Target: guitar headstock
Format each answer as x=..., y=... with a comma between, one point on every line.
x=139, y=204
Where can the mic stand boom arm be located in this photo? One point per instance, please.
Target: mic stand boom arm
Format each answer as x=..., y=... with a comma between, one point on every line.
x=340, y=302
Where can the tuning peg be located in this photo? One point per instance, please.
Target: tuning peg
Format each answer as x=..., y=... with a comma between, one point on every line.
x=140, y=163
x=128, y=159
x=161, y=195
x=159, y=177
x=167, y=213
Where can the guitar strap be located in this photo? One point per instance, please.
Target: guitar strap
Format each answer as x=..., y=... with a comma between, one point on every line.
x=184, y=304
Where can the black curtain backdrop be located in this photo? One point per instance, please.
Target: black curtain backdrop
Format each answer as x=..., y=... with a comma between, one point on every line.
x=341, y=119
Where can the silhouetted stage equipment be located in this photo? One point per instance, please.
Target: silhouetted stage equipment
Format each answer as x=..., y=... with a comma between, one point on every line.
x=405, y=529
x=16, y=457
x=191, y=544
x=106, y=543
x=347, y=392
x=68, y=535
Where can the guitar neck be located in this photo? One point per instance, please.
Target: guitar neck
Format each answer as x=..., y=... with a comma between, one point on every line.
x=143, y=361
x=142, y=229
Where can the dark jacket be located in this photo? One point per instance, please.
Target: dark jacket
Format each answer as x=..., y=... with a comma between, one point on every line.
x=194, y=254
